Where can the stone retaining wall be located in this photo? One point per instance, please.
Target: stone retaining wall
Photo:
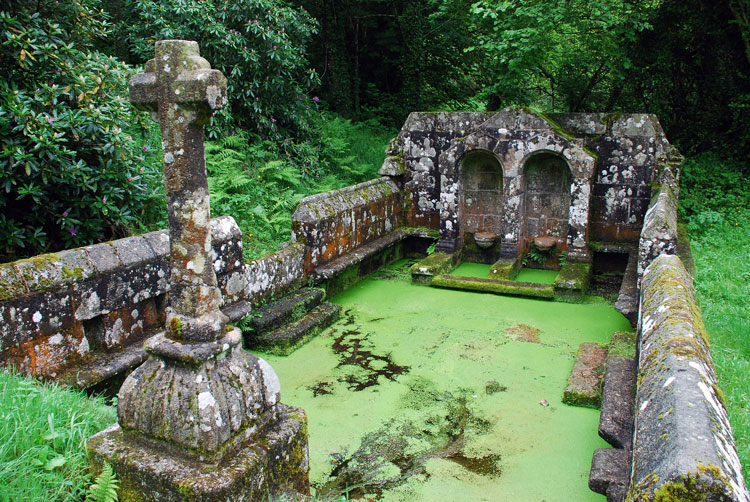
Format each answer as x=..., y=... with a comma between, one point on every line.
x=61, y=310
x=659, y=233
x=56, y=309
x=334, y=223
x=683, y=447
x=274, y=274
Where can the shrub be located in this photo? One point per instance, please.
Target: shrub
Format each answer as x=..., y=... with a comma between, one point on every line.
x=70, y=173
x=713, y=190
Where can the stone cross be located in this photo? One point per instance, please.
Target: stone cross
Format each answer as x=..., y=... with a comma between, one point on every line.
x=201, y=418
x=181, y=91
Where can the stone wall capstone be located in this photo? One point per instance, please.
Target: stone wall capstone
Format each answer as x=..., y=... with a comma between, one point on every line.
x=659, y=233
x=275, y=273
x=683, y=445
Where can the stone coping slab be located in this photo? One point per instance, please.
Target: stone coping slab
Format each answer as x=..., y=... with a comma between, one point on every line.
x=683, y=444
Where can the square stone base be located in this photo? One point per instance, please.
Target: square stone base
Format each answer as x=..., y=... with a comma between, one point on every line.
x=275, y=464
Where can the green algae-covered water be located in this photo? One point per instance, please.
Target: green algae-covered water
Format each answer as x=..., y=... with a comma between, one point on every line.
x=424, y=394
x=533, y=275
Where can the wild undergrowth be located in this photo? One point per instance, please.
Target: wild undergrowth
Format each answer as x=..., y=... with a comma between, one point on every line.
x=43, y=433
x=259, y=183
x=714, y=200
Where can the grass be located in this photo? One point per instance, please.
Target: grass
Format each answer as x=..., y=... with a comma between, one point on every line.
x=722, y=286
x=43, y=433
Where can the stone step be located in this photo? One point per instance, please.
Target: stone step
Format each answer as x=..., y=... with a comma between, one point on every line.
x=284, y=340
x=585, y=382
x=618, y=394
x=497, y=287
x=610, y=470
x=290, y=308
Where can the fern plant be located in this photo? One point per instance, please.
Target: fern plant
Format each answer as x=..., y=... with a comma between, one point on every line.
x=104, y=488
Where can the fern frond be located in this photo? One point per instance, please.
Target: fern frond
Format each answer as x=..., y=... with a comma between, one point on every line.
x=104, y=488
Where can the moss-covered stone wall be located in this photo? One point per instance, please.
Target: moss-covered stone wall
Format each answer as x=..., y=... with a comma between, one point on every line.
x=57, y=310
x=334, y=223
x=683, y=447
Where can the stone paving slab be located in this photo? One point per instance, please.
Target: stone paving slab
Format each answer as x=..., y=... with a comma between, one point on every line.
x=585, y=383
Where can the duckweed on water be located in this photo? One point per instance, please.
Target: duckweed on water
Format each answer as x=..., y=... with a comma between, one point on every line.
x=397, y=400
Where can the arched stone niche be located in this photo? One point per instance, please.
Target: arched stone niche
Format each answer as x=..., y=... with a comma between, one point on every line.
x=547, y=180
x=481, y=196
x=513, y=148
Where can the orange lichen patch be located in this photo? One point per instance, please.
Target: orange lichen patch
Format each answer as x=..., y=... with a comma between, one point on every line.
x=329, y=252
x=120, y=325
x=46, y=356
x=523, y=333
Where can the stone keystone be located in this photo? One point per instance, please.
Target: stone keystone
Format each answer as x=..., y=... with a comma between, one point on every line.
x=181, y=91
x=201, y=418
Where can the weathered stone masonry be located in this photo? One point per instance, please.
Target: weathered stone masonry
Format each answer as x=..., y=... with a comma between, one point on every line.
x=61, y=309
x=683, y=442
x=612, y=158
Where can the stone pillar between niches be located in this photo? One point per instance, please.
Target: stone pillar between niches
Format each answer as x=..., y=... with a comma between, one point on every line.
x=578, y=224
x=201, y=418
x=450, y=186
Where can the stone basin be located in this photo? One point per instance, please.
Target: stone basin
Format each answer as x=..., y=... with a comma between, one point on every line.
x=484, y=239
x=544, y=242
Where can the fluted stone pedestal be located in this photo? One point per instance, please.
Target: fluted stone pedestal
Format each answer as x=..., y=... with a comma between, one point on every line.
x=204, y=424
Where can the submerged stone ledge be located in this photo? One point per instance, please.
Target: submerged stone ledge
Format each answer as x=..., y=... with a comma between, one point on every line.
x=683, y=447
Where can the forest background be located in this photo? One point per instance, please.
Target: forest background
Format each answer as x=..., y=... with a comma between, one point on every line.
x=317, y=88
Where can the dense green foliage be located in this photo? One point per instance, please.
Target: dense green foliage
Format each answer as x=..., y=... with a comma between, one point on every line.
x=388, y=58
x=260, y=187
x=43, y=433
x=693, y=70
x=714, y=192
x=69, y=171
x=571, y=55
x=259, y=45
x=686, y=61
x=73, y=165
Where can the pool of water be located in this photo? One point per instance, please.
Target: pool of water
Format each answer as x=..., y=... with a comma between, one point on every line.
x=534, y=275
x=421, y=394
x=537, y=276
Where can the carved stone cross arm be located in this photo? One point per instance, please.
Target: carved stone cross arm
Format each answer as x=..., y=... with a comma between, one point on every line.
x=178, y=75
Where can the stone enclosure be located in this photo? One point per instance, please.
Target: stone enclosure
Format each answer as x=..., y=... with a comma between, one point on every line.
x=583, y=191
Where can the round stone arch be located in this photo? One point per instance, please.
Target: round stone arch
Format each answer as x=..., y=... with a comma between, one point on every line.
x=581, y=164
x=480, y=192
x=452, y=200
x=546, y=180
x=513, y=148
